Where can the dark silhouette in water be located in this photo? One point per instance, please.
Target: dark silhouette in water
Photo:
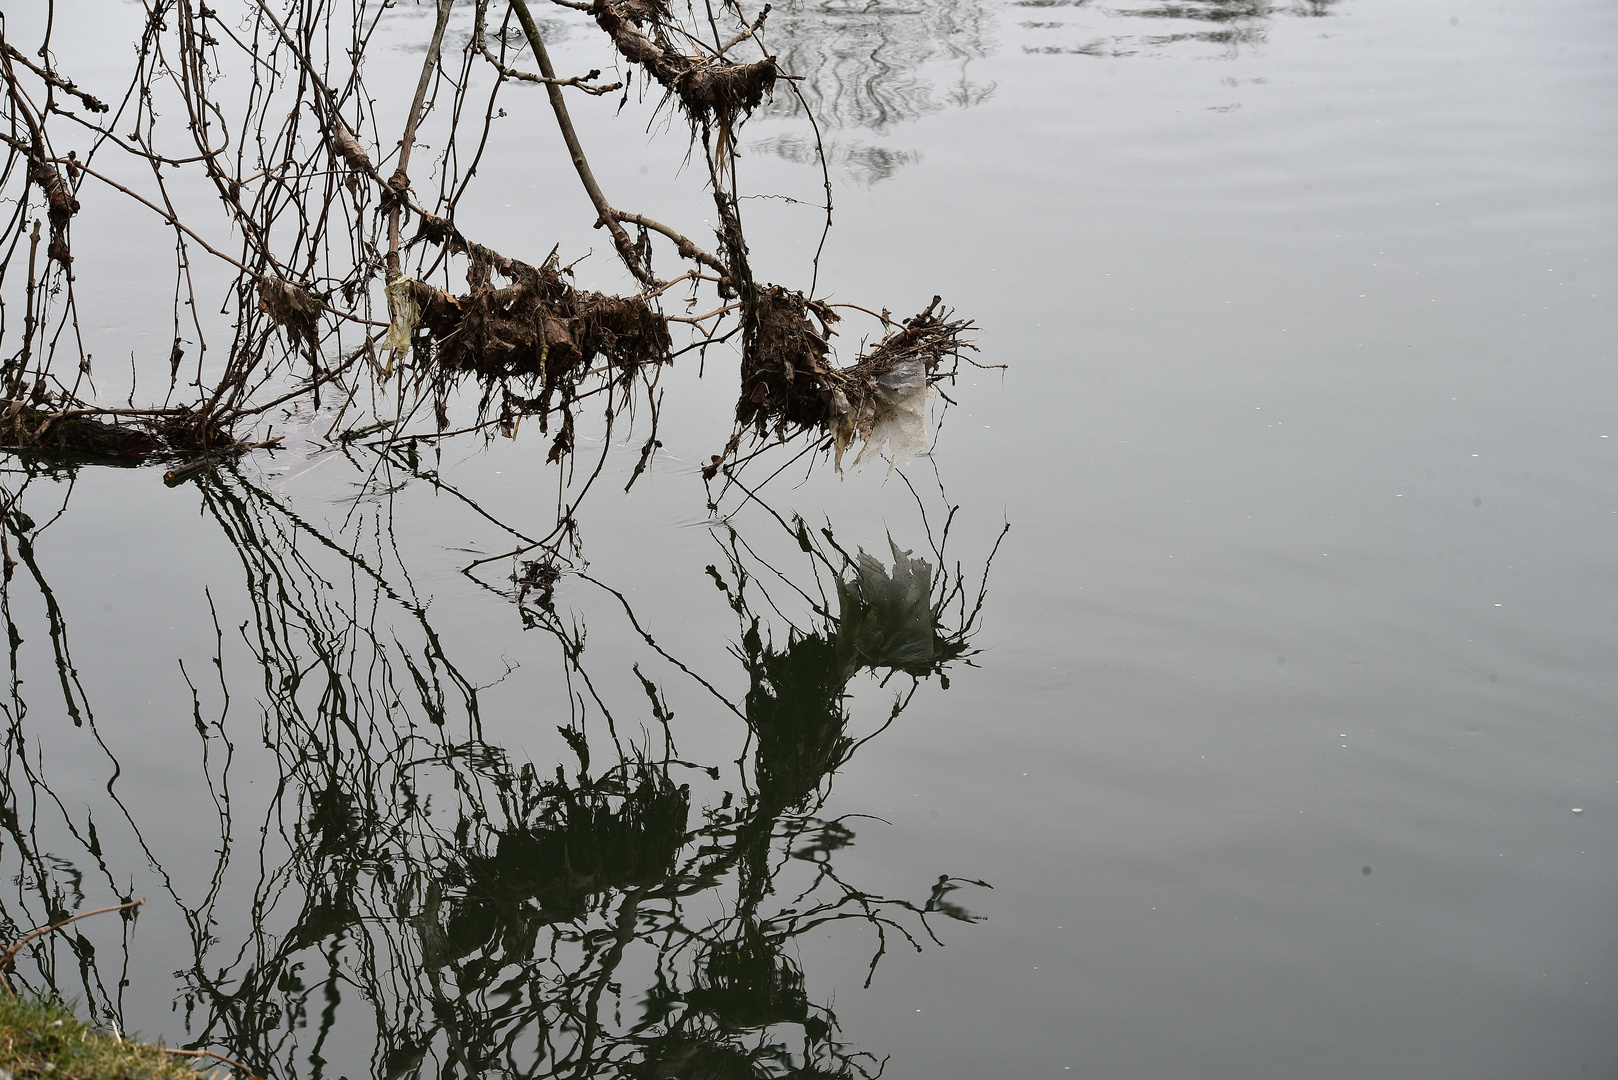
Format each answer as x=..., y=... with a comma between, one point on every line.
x=1233, y=25
x=621, y=912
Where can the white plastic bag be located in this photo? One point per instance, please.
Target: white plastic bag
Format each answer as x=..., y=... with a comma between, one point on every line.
x=899, y=416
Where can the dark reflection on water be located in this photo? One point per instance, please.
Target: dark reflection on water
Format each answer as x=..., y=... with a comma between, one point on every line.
x=865, y=163
x=872, y=66
x=1233, y=25
x=623, y=912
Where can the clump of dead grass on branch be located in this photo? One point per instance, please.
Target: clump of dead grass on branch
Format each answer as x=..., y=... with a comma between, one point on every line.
x=788, y=385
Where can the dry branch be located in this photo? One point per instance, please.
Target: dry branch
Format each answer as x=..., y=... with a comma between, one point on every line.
x=67, y=86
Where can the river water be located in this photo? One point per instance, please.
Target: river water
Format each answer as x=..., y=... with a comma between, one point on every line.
x=1283, y=741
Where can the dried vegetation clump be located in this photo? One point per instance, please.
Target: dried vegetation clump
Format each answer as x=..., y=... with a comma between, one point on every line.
x=48, y=426
x=710, y=89
x=538, y=325
x=24, y=426
x=291, y=308
x=60, y=206
x=784, y=370
x=788, y=386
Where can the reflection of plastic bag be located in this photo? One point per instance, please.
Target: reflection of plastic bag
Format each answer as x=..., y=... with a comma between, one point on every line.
x=898, y=415
x=886, y=620
x=406, y=314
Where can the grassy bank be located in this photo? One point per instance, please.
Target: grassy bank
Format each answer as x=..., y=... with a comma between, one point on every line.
x=43, y=1040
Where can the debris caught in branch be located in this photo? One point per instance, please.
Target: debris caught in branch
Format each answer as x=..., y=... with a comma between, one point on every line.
x=788, y=387
x=327, y=274
x=538, y=326
x=24, y=427
x=291, y=307
x=712, y=90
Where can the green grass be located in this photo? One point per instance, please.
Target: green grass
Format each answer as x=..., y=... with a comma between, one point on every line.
x=38, y=1039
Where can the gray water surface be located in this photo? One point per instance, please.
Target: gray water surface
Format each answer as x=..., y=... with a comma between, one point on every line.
x=1283, y=744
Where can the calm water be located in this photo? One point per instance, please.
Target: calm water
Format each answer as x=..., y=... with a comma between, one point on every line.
x=1260, y=758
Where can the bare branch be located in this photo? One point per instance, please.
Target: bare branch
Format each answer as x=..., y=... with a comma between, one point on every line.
x=606, y=215
x=67, y=86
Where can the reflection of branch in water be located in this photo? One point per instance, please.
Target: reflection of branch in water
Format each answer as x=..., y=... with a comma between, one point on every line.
x=1232, y=24
x=874, y=65
x=422, y=898
x=865, y=63
x=44, y=878
x=865, y=163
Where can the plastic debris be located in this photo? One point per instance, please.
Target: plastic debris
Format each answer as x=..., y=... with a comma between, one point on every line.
x=406, y=313
x=898, y=416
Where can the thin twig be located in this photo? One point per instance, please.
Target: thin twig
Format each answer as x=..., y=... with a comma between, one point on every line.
x=9, y=954
x=217, y=1056
x=67, y=86
x=400, y=180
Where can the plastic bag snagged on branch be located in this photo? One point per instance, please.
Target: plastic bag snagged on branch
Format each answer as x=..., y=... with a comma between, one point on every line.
x=893, y=415
x=788, y=383
x=405, y=312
